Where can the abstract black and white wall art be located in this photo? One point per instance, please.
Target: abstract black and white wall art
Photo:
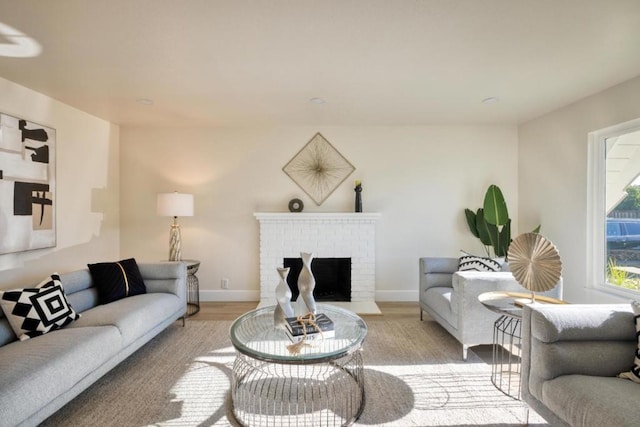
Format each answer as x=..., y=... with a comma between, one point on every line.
x=27, y=185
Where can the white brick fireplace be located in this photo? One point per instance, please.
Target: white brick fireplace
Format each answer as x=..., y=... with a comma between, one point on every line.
x=326, y=235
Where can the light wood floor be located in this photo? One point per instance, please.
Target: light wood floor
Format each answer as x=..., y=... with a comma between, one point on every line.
x=231, y=310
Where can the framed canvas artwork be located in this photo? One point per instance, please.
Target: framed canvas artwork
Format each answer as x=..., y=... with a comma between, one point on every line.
x=27, y=185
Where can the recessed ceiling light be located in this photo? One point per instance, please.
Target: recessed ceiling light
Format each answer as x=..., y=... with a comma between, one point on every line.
x=317, y=101
x=20, y=45
x=144, y=101
x=490, y=100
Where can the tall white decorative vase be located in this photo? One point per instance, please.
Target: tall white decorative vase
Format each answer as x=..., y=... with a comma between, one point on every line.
x=306, y=285
x=283, y=297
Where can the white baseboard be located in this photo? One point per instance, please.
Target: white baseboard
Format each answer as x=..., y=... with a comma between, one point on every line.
x=230, y=295
x=358, y=307
x=396, y=296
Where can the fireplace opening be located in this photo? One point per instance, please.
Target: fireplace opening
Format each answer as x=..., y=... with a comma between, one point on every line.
x=333, y=278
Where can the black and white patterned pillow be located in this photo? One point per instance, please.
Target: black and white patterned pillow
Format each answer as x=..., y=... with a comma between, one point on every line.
x=634, y=373
x=477, y=263
x=35, y=311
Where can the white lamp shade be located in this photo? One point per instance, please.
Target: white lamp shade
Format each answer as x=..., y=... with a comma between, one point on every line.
x=175, y=204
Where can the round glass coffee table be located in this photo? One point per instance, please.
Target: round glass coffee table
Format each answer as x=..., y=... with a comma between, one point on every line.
x=322, y=385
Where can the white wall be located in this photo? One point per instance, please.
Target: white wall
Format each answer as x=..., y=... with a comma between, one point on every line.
x=553, y=176
x=419, y=178
x=87, y=178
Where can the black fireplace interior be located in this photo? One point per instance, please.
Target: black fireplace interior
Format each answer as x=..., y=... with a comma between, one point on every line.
x=333, y=278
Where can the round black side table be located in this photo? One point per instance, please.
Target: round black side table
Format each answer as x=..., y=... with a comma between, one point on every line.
x=193, y=287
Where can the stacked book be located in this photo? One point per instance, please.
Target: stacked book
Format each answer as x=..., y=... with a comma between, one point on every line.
x=321, y=327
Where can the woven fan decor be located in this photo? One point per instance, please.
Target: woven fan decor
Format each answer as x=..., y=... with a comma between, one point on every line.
x=535, y=262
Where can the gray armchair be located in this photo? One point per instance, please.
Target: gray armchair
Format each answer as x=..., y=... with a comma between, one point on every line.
x=571, y=355
x=450, y=297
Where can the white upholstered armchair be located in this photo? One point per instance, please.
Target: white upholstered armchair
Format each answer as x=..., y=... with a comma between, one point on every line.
x=450, y=297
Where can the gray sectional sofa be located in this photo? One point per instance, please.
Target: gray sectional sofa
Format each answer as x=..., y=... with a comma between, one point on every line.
x=571, y=357
x=40, y=375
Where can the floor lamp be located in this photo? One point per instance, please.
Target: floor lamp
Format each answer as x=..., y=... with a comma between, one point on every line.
x=175, y=204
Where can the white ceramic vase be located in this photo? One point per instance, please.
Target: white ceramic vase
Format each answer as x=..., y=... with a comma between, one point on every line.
x=283, y=298
x=306, y=285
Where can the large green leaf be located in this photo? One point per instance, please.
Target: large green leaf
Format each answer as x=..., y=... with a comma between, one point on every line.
x=495, y=208
x=471, y=222
x=505, y=239
x=500, y=238
x=494, y=237
x=483, y=228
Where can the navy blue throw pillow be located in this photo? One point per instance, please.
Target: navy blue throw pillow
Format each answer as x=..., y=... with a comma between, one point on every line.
x=117, y=280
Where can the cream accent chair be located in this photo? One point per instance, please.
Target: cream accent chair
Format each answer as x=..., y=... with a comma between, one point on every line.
x=450, y=297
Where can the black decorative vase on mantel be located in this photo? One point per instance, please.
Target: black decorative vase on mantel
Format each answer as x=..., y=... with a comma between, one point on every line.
x=358, y=190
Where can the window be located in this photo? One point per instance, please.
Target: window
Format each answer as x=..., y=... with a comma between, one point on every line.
x=613, y=229
x=614, y=208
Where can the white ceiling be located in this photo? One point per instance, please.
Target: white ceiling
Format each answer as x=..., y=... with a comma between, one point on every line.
x=375, y=62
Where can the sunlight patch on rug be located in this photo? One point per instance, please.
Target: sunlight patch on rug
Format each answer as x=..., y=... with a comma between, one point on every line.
x=201, y=393
x=434, y=395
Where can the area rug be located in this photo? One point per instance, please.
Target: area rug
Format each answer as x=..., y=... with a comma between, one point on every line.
x=414, y=376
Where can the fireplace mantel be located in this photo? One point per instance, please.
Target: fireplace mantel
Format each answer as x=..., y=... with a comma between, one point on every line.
x=326, y=235
x=310, y=216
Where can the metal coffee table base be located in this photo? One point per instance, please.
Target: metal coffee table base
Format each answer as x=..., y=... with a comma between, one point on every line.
x=283, y=394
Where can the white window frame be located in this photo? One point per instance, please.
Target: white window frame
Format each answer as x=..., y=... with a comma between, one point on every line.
x=596, y=216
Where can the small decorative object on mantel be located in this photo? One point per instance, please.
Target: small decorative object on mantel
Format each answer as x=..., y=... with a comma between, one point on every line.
x=306, y=285
x=296, y=205
x=283, y=297
x=358, y=191
x=318, y=168
x=535, y=262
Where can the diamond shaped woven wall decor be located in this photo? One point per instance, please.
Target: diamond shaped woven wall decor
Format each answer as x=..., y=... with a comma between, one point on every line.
x=318, y=168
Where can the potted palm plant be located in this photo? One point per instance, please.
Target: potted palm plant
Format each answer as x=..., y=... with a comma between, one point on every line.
x=491, y=223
